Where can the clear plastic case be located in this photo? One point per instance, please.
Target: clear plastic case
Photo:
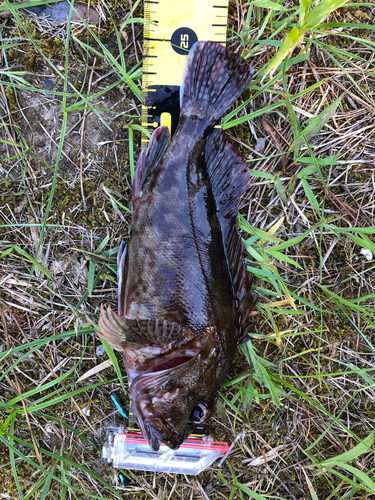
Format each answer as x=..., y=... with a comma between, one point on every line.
x=131, y=451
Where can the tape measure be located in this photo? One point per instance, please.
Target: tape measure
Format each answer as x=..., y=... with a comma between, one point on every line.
x=174, y=28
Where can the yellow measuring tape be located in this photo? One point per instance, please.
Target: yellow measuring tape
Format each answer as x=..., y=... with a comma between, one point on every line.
x=176, y=26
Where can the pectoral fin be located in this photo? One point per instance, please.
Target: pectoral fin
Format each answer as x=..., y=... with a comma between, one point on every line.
x=123, y=333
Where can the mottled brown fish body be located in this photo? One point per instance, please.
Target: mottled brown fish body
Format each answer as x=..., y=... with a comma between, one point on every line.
x=184, y=296
x=178, y=241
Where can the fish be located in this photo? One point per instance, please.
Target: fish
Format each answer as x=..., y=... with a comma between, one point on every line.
x=184, y=295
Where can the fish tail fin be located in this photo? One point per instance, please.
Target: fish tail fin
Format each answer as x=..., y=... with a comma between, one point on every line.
x=213, y=78
x=230, y=178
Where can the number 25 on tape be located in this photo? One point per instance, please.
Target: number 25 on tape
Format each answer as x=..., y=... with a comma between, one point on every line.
x=184, y=41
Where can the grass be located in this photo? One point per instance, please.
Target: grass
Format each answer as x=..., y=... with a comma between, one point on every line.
x=299, y=405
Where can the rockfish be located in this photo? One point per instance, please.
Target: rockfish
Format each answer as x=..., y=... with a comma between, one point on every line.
x=184, y=298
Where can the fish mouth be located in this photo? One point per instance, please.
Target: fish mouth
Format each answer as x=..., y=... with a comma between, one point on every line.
x=173, y=362
x=156, y=432
x=154, y=371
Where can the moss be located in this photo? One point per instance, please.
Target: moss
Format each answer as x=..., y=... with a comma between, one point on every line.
x=68, y=198
x=12, y=101
x=5, y=185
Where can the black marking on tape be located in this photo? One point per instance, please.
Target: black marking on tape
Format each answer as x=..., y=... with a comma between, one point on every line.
x=156, y=39
x=162, y=98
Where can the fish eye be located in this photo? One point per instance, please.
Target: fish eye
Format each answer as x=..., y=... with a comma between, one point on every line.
x=200, y=413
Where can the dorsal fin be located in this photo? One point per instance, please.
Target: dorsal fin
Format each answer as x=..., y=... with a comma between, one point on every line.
x=148, y=160
x=123, y=333
x=230, y=178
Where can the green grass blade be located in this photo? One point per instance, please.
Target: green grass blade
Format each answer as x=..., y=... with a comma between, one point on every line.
x=314, y=126
x=45, y=387
x=320, y=12
x=11, y=455
x=287, y=47
x=352, y=454
x=112, y=357
x=30, y=258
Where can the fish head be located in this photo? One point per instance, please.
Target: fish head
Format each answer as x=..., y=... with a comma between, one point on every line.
x=168, y=404
x=169, y=417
